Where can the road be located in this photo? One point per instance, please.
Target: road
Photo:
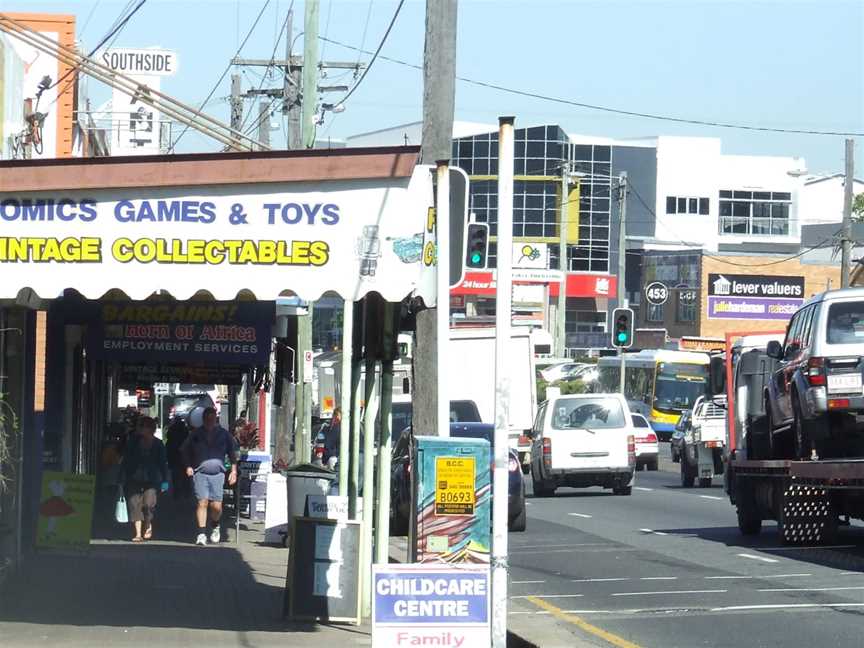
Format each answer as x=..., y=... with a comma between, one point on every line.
x=666, y=567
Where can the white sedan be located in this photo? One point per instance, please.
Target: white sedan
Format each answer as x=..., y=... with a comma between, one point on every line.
x=563, y=371
x=647, y=446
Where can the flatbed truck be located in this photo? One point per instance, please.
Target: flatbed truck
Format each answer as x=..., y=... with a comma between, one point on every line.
x=807, y=499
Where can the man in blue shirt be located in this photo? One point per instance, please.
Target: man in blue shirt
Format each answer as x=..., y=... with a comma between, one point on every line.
x=205, y=451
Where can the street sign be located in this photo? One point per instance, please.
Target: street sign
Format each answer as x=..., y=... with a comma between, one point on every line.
x=307, y=366
x=161, y=389
x=454, y=486
x=656, y=293
x=430, y=605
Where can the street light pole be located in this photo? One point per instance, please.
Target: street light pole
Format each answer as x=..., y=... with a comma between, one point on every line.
x=846, y=240
x=563, y=266
x=622, y=261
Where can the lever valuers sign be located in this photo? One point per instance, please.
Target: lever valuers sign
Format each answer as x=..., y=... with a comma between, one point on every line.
x=733, y=296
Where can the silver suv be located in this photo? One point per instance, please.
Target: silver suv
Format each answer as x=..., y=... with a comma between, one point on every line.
x=815, y=396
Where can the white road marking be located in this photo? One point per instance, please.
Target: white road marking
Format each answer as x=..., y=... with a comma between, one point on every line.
x=581, y=515
x=557, y=546
x=852, y=573
x=796, y=548
x=599, y=580
x=727, y=577
x=659, y=533
x=642, y=488
x=787, y=576
x=752, y=557
x=809, y=589
x=651, y=578
x=526, y=582
x=547, y=596
x=716, y=591
x=711, y=497
x=529, y=504
x=781, y=606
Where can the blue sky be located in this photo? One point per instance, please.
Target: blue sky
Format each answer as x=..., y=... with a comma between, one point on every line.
x=786, y=64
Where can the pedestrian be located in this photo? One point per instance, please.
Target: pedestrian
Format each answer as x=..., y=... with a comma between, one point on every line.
x=178, y=432
x=144, y=471
x=205, y=452
x=331, y=436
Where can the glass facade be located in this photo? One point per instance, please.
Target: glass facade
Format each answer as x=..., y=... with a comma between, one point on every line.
x=540, y=155
x=760, y=213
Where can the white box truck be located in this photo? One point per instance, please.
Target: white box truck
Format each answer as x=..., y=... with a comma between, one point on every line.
x=471, y=376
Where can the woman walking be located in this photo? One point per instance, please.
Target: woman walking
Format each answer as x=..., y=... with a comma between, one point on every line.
x=145, y=470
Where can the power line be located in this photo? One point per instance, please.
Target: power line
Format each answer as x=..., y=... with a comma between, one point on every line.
x=375, y=55
x=224, y=74
x=272, y=59
x=617, y=111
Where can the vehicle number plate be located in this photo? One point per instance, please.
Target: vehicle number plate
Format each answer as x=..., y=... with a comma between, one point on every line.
x=844, y=383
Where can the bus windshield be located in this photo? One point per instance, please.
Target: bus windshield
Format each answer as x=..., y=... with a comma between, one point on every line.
x=679, y=385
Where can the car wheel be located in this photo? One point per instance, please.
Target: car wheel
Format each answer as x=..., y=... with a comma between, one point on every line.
x=704, y=482
x=622, y=490
x=518, y=524
x=654, y=465
x=688, y=475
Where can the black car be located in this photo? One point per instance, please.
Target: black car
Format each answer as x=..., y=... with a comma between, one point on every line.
x=400, y=484
x=681, y=428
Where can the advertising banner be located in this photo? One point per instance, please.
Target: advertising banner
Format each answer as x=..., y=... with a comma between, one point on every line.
x=754, y=296
x=234, y=333
x=430, y=605
x=65, y=511
x=350, y=237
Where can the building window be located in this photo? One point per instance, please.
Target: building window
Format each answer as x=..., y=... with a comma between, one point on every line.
x=654, y=313
x=686, y=306
x=762, y=213
x=686, y=205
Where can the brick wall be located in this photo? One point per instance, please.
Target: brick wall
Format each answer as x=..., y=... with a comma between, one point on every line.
x=815, y=281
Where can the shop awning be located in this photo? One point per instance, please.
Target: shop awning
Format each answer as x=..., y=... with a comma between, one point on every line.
x=349, y=221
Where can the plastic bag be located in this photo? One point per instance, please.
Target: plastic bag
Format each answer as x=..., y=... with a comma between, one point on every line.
x=121, y=513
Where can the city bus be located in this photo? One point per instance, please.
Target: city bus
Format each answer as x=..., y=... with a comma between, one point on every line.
x=659, y=384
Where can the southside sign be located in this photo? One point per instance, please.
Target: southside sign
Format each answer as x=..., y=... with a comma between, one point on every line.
x=754, y=297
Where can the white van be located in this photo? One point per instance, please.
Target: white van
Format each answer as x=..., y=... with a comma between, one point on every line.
x=583, y=440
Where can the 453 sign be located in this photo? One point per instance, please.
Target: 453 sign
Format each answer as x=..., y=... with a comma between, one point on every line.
x=656, y=293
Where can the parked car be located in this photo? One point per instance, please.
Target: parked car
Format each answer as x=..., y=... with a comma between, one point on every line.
x=647, y=446
x=400, y=479
x=818, y=377
x=563, y=371
x=678, y=434
x=583, y=440
x=181, y=405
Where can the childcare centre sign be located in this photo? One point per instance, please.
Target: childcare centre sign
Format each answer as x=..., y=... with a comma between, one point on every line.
x=344, y=236
x=430, y=605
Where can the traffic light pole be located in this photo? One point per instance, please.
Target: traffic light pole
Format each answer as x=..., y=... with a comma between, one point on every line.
x=622, y=260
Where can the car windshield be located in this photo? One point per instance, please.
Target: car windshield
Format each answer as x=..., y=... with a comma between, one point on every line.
x=486, y=432
x=587, y=413
x=463, y=412
x=678, y=385
x=846, y=323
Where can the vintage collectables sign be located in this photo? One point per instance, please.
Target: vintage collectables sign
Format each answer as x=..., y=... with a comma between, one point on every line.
x=430, y=605
x=350, y=237
x=455, y=486
x=754, y=297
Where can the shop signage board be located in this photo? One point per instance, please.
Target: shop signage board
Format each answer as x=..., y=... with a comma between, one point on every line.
x=754, y=297
x=65, y=511
x=196, y=332
x=483, y=284
x=656, y=293
x=430, y=605
x=347, y=236
x=148, y=62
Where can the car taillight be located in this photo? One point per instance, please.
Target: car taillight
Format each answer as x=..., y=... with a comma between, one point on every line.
x=631, y=449
x=547, y=451
x=650, y=438
x=816, y=371
x=319, y=451
x=513, y=465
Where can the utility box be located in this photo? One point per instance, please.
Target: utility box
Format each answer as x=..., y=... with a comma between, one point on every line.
x=451, y=500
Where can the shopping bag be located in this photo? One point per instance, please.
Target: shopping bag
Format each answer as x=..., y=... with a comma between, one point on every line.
x=121, y=513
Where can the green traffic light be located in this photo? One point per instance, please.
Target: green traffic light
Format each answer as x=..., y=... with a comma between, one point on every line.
x=622, y=337
x=475, y=258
